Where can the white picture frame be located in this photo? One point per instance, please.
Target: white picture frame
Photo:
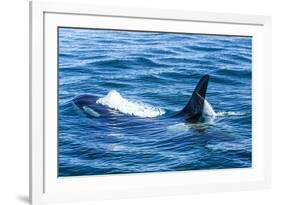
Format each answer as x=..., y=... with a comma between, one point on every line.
x=46, y=186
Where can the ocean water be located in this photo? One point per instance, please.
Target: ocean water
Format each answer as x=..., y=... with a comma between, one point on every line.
x=143, y=78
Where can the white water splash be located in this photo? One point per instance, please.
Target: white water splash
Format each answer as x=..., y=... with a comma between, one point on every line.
x=115, y=101
x=209, y=112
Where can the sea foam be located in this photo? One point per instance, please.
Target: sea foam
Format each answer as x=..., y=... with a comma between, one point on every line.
x=208, y=110
x=115, y=101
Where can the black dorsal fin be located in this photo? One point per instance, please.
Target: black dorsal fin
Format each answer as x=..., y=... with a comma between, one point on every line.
x=193, y=110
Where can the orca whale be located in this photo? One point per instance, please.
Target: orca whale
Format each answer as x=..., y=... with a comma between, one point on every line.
x=191, y=113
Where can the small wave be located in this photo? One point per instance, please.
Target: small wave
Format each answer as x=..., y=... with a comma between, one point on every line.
x=239, y=57
x=115, y=147
x=178, y=127
x=115, y=101
x=230, y=113
x=205, y=48
x=112, y=63
x=73, y=79
x=226, y=146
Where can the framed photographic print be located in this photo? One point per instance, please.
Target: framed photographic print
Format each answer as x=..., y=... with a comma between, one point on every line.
x=129, y=102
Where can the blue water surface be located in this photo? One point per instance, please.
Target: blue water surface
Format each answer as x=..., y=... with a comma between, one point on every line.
x=156, y=72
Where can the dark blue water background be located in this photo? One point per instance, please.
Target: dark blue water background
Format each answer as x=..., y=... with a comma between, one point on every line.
x=155, y=74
